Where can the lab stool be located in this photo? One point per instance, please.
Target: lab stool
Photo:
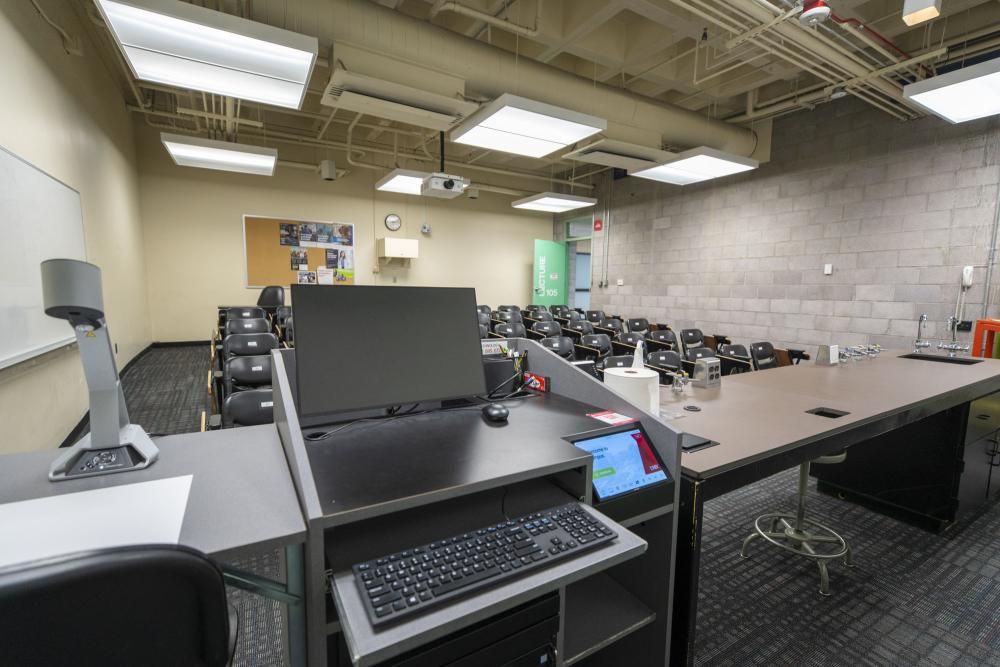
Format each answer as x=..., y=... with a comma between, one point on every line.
x=801, y=536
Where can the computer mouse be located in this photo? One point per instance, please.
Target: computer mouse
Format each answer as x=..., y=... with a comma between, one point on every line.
x=494, y=412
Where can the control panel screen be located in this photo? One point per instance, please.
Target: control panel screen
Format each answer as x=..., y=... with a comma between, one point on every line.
x=624, y=461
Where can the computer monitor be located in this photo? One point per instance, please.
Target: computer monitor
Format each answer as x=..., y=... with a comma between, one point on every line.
x=360, y=347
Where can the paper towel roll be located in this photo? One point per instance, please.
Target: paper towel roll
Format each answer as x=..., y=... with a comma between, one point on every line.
x=640, y=386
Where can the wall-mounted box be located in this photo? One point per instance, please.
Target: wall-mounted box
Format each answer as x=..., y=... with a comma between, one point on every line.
x=392, y=247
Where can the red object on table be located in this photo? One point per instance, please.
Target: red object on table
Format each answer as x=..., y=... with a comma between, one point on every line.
x=982, y=340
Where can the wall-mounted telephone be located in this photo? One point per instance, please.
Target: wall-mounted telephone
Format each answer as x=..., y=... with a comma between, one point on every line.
x=967, y=276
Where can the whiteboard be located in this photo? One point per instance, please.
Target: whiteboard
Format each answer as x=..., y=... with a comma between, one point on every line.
x=40, y=218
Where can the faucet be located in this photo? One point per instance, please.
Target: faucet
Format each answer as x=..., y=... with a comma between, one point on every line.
x=954, y=347
x=920, y=343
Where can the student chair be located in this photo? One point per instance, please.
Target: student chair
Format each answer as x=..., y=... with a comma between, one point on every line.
x=245, y=373
x=288, y=333
x=692, y=338
x=639, y=325
x=763, y=356
x=251, y=326
x=612, y=326
x=271, y=297
x=561, y=345
x=734, y=351
x=665, y=360
x=484, y=331
x=662, y=339
x=580, y=328
x=596, y=346
x=514, y=330
x=536, y=307
x=596, y=316
x=695, y=353
x=149, y=605
x=486, y=310
x=282, y=313
x=545, y=329
x=801, y=536
x=244, y=313
x=248, y=408
x=559, y=310
x=631, y=339
x=483, y=318
x=509, y=309
x=239, y=345
x=509, y=316
x=618, y=361
x=540, y=316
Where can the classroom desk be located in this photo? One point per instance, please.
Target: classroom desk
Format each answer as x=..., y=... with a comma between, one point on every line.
x=241, y=502
x=761, y=421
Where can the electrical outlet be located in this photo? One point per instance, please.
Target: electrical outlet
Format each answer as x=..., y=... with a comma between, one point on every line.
x=620, y=282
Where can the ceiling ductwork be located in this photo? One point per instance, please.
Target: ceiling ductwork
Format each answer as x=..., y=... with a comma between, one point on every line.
x=489, y=72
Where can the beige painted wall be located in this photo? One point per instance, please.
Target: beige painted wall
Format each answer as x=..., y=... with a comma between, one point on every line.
x=193, y=230
x=64, y=114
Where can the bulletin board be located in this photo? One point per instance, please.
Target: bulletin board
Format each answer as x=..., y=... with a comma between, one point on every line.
x=283, y=251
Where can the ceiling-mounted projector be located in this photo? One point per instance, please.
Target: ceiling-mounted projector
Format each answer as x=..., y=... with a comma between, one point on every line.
x=443, y=186
x=814, y=12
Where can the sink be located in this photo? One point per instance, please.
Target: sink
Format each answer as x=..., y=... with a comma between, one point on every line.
x=962, y=361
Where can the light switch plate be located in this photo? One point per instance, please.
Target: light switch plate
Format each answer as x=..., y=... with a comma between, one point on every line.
x=827, y=269
x=620, y=282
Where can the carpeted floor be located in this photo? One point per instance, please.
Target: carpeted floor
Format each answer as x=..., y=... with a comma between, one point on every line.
x=913, y=599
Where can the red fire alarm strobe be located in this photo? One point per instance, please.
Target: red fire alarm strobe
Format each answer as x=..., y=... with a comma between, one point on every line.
x=598, y=225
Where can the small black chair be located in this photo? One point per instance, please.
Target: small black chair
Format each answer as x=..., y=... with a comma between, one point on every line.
x=541, y=316
x=665, y=360
x=546, y=329
x=282, y=313
x=696, y=353
x=509, y=308
x=514, y=330
x=631, y=339
x=149, y=605
x=559, y=310
x=486, y=310
x=692, y=338
x=509, y=316
x=245, y=313
x=662, y=339
x=271, y=297
x=639, y=325
x=618, y=361
x=484, y=331
x=597, y=346
x=561, y=345
x=240, y=345
x=763, y=356
x=536, y=307
x=734, y=351
x=289, y=330
x=611, y=324
x=248, y=408
x=596, y=316
x=247, y=326
x=581, y=328
x=245, y=373
x=484, y=318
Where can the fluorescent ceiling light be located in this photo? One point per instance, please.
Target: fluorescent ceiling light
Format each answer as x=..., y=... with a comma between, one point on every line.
x=513, y=124
x=404, y=181
x=181, y=44
x=918, y=11
x=221, y=155
x=960, y=95
x=553, y=202
x=697, y=164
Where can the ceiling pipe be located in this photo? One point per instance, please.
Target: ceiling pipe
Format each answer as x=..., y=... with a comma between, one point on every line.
x=491, y=71
x=485, y=17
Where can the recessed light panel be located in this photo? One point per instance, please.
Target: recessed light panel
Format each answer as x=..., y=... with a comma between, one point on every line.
x=403, y=181
x=181, y=44
x=553, y=202
x=960, y=95
x=221, y=155
x=513, y=124
x=696, y=165
x=918, y=11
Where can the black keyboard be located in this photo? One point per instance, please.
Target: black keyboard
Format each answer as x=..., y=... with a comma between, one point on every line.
x=406, y=583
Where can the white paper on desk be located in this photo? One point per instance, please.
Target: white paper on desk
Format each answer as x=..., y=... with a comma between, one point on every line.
x=141, y=513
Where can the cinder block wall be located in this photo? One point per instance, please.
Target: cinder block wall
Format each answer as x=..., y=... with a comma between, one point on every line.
x=897, y=208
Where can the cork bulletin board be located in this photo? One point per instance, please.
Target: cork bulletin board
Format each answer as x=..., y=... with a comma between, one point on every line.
x=282, y=251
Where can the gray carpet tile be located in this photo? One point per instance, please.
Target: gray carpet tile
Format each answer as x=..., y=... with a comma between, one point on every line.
x=914, y=599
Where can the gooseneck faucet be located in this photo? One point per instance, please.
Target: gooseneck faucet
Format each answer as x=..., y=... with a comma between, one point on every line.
x=954, y=347
x=920, y=343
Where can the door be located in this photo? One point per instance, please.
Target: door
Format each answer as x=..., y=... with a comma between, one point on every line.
x=550, y=273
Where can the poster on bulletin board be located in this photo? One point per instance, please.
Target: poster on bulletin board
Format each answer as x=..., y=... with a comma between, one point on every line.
x=281, y=251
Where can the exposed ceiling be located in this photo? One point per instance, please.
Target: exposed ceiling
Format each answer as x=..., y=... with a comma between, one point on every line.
x=738, y=61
